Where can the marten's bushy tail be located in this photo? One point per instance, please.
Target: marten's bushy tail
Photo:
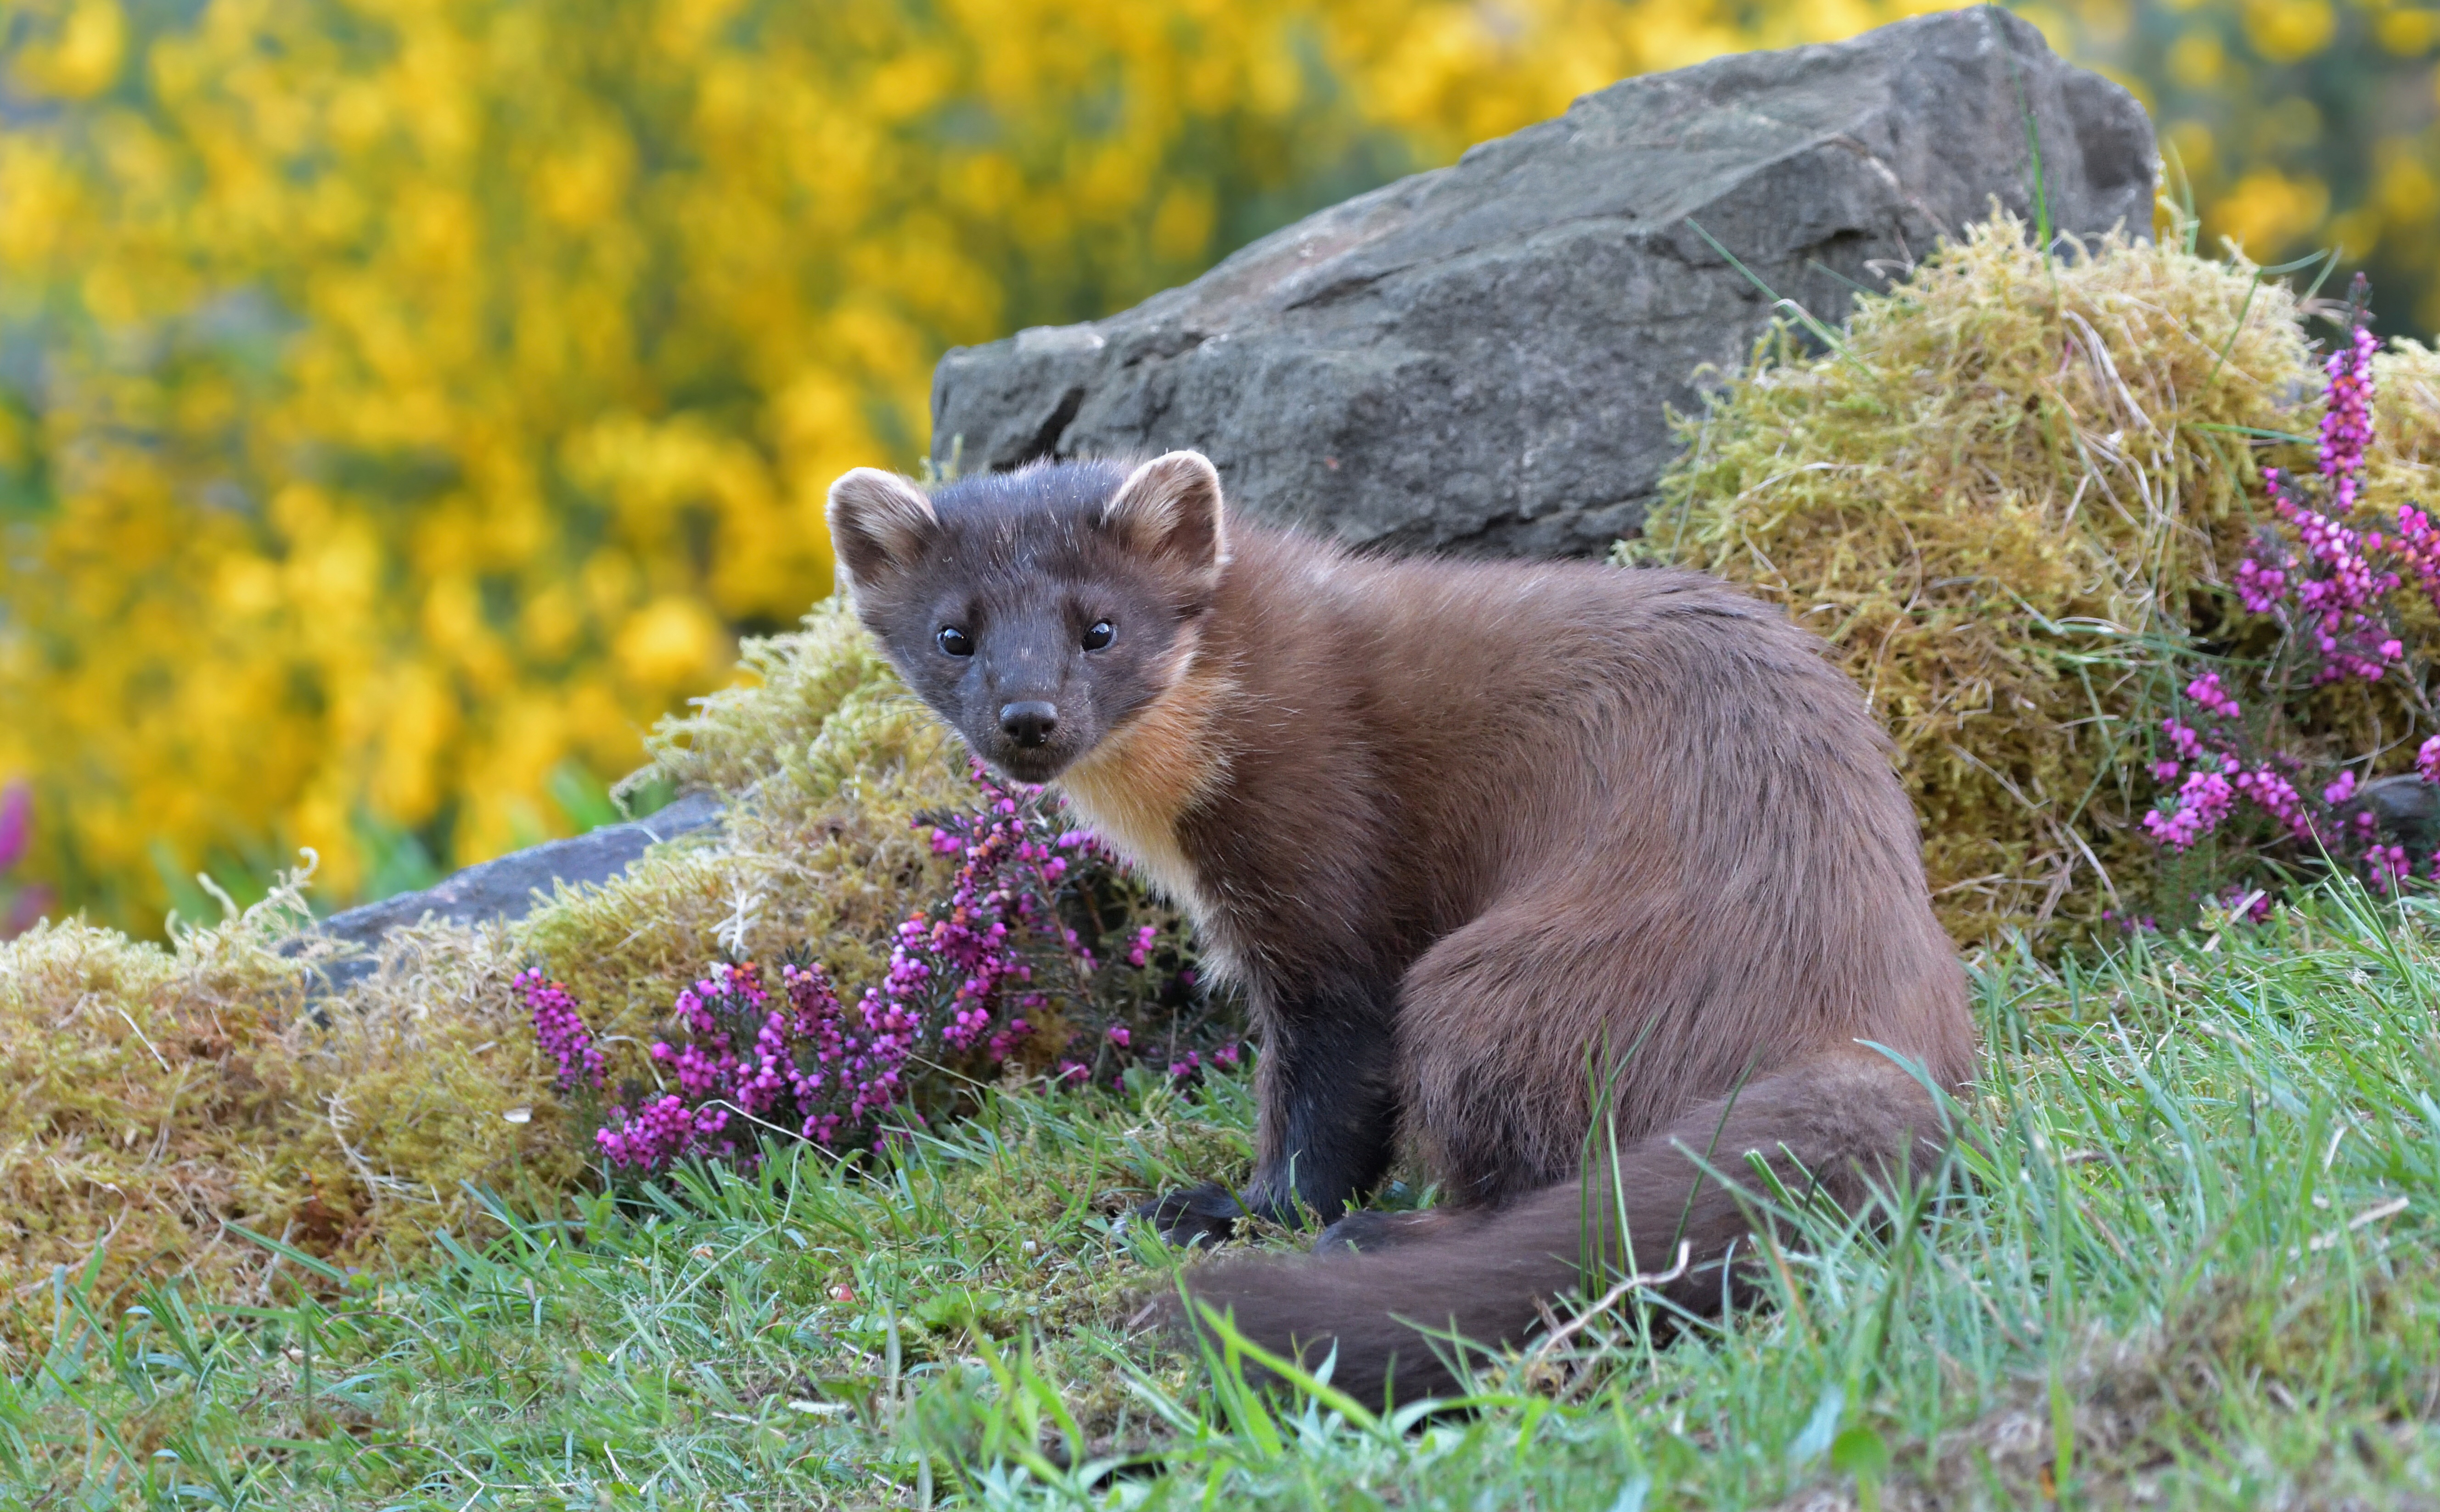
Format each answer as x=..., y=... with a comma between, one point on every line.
x=1840, y=1125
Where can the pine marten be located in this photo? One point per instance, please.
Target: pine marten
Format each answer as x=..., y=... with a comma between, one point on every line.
x=1496, y=850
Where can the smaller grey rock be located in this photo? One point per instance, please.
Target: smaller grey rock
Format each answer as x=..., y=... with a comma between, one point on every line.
x=509, y=886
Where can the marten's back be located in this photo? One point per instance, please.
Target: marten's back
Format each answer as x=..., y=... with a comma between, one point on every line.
x=1597, y=741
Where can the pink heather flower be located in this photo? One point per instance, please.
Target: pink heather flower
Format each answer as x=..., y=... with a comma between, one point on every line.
x=2260, y=583
x=560, y=1030
x=2277, y=796
x=1005, y=1042
x=964, y=965
x=2201, y=805
x=2340, y=791
x=2427, y=761
x=2334, y=603
x=16, y=823
x=1074, y=1072
x=967, y=975
x=2346, y=425
x=2206, y=691
x=1119, y=1034
x=804, y=1064
x=657, y=1133
x=2386, y=867
x=1226, y=1057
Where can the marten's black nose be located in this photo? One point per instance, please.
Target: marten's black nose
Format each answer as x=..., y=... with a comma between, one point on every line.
x=1030, y=723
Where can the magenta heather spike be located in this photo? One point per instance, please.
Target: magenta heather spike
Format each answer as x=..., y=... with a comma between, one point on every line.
x=2330, y=589
x=561, y=1031
x=16, y=823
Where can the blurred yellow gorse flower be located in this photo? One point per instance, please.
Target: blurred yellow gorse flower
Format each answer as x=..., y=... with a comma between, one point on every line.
x=402, y=402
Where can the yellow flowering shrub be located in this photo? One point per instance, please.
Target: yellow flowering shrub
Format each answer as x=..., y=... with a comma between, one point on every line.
x=426, y=393
x=402, y=402
x=2289, y=126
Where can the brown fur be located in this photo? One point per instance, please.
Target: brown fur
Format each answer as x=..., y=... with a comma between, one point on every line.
x=1479, y=840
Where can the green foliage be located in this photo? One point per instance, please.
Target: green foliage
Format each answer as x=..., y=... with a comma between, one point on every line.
x=2185, y=1256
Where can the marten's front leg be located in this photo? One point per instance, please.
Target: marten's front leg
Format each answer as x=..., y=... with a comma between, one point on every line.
x=1327, y=1114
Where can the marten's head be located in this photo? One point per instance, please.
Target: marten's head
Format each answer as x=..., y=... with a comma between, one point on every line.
x=1036, y=611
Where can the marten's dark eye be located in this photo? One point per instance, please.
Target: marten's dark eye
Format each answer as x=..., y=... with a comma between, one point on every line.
x=1100, y=635
x=955, y=641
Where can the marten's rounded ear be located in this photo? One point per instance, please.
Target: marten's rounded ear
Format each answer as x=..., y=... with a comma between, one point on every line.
x=880, y=525
x=1170, y=508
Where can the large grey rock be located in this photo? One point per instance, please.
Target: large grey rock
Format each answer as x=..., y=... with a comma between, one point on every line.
x=1478, y=358
x=507, y=887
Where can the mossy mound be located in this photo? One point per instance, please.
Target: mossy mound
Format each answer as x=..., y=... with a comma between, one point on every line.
x=2010, y=498
x=825, y=763
x=157, y=1096
x=152, y=1097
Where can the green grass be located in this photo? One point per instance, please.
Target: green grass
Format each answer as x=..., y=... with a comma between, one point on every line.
x=2185, y=1257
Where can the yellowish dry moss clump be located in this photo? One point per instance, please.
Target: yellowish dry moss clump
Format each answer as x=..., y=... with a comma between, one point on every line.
x=2014, y=491
x=825, y=762
x=155, y=1096
x=151, y=1098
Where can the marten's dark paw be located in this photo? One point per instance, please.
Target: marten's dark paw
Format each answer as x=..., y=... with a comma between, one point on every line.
x=1208, y=1213
x=1368, y=1231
